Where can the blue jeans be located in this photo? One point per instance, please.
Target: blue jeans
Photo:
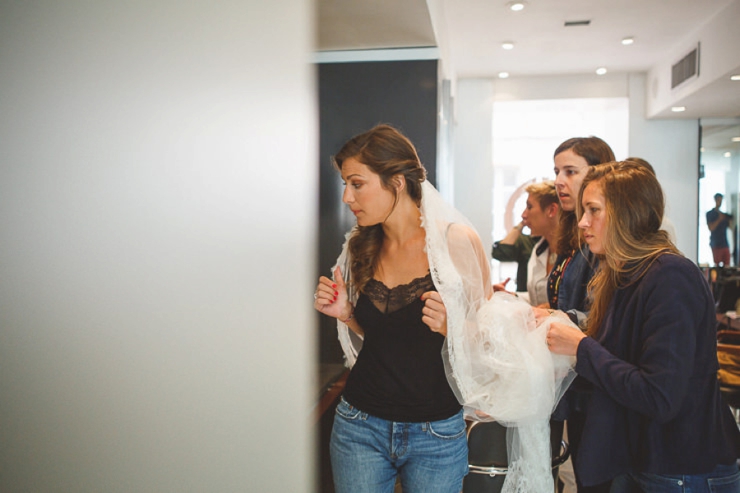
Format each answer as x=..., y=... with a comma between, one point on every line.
x=724, y=479
x=368, y=453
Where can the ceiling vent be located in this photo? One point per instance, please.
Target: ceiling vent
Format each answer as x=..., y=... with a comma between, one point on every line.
x=686, y=68
x=577, y=23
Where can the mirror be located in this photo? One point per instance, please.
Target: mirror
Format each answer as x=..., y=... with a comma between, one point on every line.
x=719, y=172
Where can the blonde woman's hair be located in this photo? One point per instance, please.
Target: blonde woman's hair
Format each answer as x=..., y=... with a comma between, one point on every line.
x=544, y=193
x=633, y=240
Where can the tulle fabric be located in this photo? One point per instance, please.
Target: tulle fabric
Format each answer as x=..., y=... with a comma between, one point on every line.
x=496, y=356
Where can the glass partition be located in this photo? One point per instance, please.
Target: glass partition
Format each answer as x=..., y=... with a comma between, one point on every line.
x=719, y=174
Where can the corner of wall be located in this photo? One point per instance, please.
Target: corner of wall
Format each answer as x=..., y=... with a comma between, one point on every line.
x=717, y=40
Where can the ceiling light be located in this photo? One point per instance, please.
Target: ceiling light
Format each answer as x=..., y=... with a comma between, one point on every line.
x=728, y=154
x=628, y=40
x=503, y=75
x=736, y=139
x=507, y=45
x=516, y=6
x=678, y=109
x=601, y=71
x=735, y=77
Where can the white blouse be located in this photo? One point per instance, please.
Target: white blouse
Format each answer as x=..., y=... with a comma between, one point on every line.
x=537, y=274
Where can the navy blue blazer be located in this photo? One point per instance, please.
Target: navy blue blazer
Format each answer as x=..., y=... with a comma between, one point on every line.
x=655, y=405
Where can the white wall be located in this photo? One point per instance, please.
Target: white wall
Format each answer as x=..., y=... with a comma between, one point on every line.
x=473, y=161
x=672, y=148
x=157, y=206
x=670, y=145
x=719, y=56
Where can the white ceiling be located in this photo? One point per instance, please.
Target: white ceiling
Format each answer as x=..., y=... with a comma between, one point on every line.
x=543, y=45
x=472, y=32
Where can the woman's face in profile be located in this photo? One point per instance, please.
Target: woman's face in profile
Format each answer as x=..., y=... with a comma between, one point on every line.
x=570, y=170
x=534, y=217
x=593, y=222
x=364, y=194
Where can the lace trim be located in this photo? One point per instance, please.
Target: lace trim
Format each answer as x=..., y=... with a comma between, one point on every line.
x=388, y=300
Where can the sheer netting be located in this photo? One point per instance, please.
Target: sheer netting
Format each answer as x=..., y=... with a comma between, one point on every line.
x=496, y=357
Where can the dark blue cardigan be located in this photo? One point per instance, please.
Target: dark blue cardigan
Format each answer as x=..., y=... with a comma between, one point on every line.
x=656, y=404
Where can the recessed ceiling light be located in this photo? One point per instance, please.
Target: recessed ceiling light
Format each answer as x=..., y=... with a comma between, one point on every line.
x=735, y=77
x=503, y=75
x=678, y=109
x=736, y=139
x=507, y=45
x=601, y=71
x=516, y=6
x=628, y=40
x=728, y=154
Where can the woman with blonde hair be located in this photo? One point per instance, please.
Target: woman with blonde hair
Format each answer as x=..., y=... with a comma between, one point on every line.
x=655, y=420
x=541, y=217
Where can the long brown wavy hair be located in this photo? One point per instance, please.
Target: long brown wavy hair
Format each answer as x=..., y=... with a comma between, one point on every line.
x=634, y=206
x=595, y=151
x=388, y=153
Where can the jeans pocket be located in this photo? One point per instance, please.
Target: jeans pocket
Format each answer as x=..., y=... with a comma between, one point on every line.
x=448, y=429
x=347, y=410
x=726, y=484
x=658, y=483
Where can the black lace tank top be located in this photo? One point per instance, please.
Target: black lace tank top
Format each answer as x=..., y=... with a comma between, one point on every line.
x=399, y=374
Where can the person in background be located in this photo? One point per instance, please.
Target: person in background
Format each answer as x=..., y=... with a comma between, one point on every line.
x=515, y=247
x=569, y=278
x=718, y=222
x=655, y=420
x=541, y=217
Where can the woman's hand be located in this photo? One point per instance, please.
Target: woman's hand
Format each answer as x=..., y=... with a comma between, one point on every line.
x=541, y=313
x=434, y=313
x=331, y=297
x=563, y=338
x=501, y=286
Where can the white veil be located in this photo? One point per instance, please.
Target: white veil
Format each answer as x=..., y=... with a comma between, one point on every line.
x=496, y=357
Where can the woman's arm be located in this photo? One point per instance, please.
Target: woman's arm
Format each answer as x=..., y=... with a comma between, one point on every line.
x=330, y=298
x=663, y=333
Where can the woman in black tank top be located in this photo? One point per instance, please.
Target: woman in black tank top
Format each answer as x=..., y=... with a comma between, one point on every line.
x=398, y=416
